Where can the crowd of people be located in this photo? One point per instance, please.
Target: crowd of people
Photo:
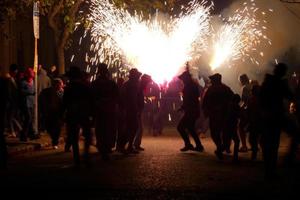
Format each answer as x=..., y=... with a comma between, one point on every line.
x=117, y=109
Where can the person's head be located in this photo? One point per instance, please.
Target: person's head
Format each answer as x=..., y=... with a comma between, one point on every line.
x=58, y=84
x=244, y=79
x=103, y=70
x=134, y=74
x=145, y=80
x=29, y=73
x=215, y=79
x=236, y=99
x=280, y=70
x=74, y=73
x=53, y=68
x=185, y=76
x=13, y=70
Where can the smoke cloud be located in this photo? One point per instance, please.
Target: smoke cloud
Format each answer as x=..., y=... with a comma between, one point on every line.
x=283, y=28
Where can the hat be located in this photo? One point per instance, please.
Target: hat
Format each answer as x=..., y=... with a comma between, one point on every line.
x=134, y=73
x=147, y=78
x=184, y=75
x=216, y=77
x=280, y=69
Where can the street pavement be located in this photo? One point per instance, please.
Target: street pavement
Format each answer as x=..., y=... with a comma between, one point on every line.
x=160, y=172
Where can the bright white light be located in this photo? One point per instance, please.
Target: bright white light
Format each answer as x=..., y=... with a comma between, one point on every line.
x=156, y=48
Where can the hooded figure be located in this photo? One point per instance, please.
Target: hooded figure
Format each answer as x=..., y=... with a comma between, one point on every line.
x=190, y=107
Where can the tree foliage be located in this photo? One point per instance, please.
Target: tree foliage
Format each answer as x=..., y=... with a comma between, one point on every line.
x=146, y=6
x=62, y=15
x=10, y=9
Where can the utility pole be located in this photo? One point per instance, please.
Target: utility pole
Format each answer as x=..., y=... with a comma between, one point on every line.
x=36, y=31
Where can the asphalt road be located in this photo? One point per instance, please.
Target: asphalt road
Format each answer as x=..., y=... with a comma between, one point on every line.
x=160, y=172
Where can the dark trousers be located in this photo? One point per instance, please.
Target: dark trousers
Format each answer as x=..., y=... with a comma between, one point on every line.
x=105, y=131
x=28, y=130
x=216, y=125
x=131, y=127
x=53, y=126
x=3, y=148
x=292, y=127
x=291, y=156
x=13, y=124
x=254, y=134
x=139, y=132
x=272, y=127
x=187, y=123
x=270, y=141
x=73, y=129
x=121, y=129
x=230, y=133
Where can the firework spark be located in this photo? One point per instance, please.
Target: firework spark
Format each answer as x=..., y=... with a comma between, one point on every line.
x=238, y=37
x=155, y=47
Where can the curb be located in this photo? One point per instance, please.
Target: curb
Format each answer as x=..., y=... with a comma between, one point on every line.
x=25, y=148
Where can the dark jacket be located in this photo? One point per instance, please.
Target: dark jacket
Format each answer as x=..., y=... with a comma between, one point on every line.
x=272, y=95
x=51, y=102
x=216, y=100
x=105, y=94
x=77, y=101
x=130, y=97
x=191, y=96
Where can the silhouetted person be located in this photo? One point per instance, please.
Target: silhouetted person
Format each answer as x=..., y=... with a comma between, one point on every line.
x=231, y=126
x=121, y=127
x=51, y=105
x=255, y=120
x=130, y=100
x=215, y=106
x=202, y=122
x=13, y=95
x=3, y=101
x=294, y=116
x=43, y=80
x=190, y=107
x=77, y=103
x=105, y=94
x=27, y=106
x=274, y=91
x=246, y=94
x=154, y=107
x=145, y=80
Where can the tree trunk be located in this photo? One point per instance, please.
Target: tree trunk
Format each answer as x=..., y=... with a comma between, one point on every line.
x=61, y=59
